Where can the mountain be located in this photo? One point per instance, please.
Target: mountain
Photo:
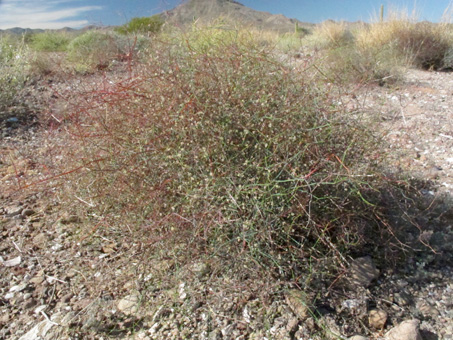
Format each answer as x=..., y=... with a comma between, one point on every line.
x=208, y=10
x=19, y=30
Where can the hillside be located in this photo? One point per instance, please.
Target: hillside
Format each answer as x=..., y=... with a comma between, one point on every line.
x=208, y=10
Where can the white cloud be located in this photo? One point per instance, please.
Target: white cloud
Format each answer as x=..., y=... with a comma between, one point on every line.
x=43, y=14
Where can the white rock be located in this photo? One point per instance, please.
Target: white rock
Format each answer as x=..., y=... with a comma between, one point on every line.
x=39, y=309
x=9, y=296
x=129, y=304
x=358, y=337
x=40, y=330
x=406, y=330
x=13, y=262
x=246, y=315
x=351, y=304
x=18, y=288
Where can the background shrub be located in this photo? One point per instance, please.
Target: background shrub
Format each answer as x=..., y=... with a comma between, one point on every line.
x=14, y=69
x=142, y=25
x=50, y=41
x=94, y=49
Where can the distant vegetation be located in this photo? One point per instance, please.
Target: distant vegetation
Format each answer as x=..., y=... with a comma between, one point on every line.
x=142, y=25
x=14, y=69
x=50, y=41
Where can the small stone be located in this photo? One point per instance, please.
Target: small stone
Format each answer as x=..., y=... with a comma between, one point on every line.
x=39, y=309
x=38, y=279
x=39, y=331
x=28, y=212
x=402, y=299
x=66, y=298
x=30, y=304
x=292, y=324
x=71, y=219
x=12, y=120
x=9, y=296
x=129, y=304
x=363, y=272
x=154, y=328
x=427, y=310
x=406, y=330
x=18, y=288
x=358, y=337
x=13, y=262
x=298, y=302
x=433, y=172
x=377, y=318
x=330, y=327
x=40, y=239
x=215, y=335
x=13, y=211
x=4, y=318
x=161, y=313
x=109, y=248
x=201, y=269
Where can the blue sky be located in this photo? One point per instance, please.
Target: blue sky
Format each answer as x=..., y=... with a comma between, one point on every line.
x=78, y=13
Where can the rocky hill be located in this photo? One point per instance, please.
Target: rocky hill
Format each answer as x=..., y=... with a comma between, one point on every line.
x=208, y=10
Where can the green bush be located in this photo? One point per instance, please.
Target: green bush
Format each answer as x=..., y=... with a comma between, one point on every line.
x=14, y=68
x=50, y=42
x=142, y=25
x=94, y=49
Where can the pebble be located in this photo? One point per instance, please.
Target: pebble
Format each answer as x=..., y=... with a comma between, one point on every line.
x=298, y=302
x=129, y=304
x=18, y=288
x=406, y=330
x=28, y=212
x=402, y=299
x=362, y=272
x=427, y=310
x=377, y=318
x=358, y=337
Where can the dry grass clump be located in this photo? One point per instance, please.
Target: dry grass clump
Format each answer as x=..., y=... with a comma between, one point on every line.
x=331, y=34
x=381, y=51
x=218, y=146
x=420, y=44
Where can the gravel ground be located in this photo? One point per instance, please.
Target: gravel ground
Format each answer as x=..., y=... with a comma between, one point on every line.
x=61, y=281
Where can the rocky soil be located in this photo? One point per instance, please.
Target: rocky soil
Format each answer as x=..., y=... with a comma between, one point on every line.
x=63, y=279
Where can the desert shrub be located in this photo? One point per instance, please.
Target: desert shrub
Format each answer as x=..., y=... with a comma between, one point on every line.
x=94, y=49
x=14, y=68
x=50, y=41
x=142, y=25
x=223, y=147
x=45, y=63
